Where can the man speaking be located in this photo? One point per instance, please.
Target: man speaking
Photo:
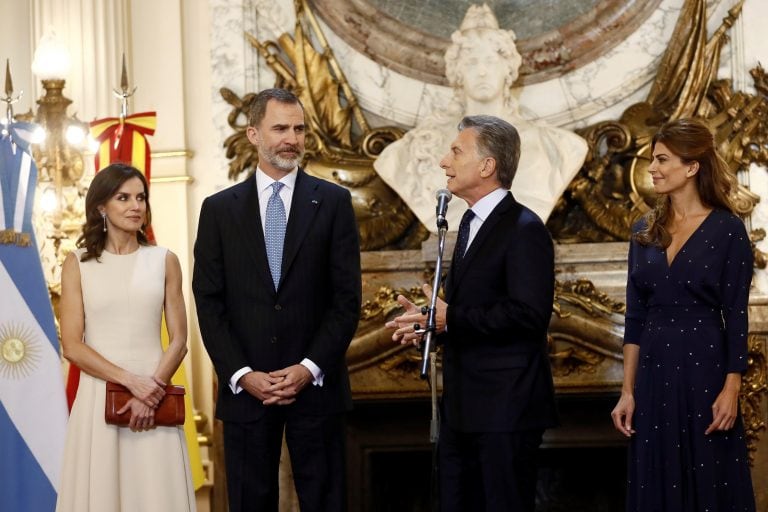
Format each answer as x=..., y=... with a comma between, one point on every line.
x=498, y=395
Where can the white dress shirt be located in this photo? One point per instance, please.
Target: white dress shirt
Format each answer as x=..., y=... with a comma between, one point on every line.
x=482, y=209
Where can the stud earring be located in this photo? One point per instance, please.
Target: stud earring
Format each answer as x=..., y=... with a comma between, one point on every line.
x=104, y=218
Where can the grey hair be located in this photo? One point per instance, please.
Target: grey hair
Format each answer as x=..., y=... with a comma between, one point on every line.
x=257, y=109
x=499, y=140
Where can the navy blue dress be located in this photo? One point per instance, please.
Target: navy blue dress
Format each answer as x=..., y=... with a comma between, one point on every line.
x=690, y=321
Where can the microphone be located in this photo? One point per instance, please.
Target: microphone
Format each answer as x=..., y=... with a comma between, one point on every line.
x=443, y=198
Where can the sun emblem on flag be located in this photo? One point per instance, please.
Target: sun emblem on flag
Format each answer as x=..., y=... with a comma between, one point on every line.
x=19, y=351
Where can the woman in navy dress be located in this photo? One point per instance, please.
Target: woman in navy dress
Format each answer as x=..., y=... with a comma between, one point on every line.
x=685, y=338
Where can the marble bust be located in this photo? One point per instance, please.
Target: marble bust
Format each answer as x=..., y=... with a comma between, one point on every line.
x=481, y=64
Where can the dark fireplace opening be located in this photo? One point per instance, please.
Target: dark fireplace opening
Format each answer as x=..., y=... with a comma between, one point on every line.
x=581, y=479
x=582, y=463
x=400, y=480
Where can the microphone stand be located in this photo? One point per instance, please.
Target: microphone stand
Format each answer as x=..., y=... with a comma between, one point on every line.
x=428, y=356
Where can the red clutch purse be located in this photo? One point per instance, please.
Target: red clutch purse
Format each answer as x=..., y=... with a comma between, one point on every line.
x=169, y=413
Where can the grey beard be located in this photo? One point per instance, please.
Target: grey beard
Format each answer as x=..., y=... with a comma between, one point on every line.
x=284, y=164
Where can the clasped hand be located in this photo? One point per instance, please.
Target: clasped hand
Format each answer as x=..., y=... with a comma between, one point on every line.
x=142, y=416
x=148, y=390
x=147, y=393
x=279, y=387
x=404, y=325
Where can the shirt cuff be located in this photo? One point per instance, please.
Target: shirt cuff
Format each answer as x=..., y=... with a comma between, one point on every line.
x=233, y=385
x=316, y=372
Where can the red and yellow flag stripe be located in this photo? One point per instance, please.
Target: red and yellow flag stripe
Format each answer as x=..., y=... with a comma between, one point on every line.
x=124, y=140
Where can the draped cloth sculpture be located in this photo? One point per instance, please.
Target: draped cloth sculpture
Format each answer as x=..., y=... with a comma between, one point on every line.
x=481, y=65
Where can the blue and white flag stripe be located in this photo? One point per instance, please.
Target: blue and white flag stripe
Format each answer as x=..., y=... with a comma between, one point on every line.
x=3, y=226
x=22, y=192
x=33, y=411
x=31, y=385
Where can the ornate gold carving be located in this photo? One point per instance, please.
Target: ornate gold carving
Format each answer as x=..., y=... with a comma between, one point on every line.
x=373, y=342
x=379, y=367
x=761, y=258
x=572, y=359
x=11, y=237
x=404, y=364
x=583, y=294
x=586, y=330
x=753, y=391
x=384, y=302
x=335, y=151
x=579, y=343
x=613, y=188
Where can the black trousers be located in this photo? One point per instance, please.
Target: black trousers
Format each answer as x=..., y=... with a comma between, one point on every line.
x=487, y=471
x=316, y=447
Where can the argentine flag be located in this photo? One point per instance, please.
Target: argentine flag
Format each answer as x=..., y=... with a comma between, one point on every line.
x=33, y=411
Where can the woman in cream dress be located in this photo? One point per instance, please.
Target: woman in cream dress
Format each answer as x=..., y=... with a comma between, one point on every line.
x=114, y=291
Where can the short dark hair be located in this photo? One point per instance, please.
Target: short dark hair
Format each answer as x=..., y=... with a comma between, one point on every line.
x=499, y=140
x=258, y=106
x=104, y=185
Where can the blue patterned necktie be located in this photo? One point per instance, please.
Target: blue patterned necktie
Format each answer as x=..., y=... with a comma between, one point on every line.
x=463, y=237
x=274, y=231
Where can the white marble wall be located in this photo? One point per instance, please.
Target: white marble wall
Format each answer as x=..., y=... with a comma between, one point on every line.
x=597, y=91
x=750, y=46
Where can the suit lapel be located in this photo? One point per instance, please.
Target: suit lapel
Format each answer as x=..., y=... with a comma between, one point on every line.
x=249, y=216
x=304, y=205
x=506, y=206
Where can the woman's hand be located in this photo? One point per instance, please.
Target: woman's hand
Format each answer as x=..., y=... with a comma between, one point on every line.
x=146, y=389
x=725, y=409
x=622, y=414
x=142, y=416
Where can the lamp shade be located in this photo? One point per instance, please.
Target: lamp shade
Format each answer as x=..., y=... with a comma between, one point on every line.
x=51, y=60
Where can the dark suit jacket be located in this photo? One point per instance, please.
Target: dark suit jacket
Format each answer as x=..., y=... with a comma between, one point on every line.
x=496, y=372
x=314, y=312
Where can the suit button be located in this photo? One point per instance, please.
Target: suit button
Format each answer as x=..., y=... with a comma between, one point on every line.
x=278, y=307
x=273, y=339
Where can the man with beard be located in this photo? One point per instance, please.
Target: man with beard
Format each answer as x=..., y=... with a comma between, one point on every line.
x=277, y=288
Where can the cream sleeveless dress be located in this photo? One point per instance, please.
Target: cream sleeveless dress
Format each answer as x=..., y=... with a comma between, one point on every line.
x=109, y=468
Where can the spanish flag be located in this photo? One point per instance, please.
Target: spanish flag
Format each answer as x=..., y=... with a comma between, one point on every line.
x=126, y=141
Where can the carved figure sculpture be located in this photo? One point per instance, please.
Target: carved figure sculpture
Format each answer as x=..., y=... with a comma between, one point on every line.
x=481, y=65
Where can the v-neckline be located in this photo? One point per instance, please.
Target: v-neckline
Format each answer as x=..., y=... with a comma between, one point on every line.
x=693, y=233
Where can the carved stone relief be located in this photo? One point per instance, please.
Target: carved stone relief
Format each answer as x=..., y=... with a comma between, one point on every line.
x=411, y=37
x=482, y=63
